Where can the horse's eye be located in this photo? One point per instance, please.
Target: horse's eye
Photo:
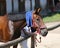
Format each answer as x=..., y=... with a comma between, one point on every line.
x=37, y=19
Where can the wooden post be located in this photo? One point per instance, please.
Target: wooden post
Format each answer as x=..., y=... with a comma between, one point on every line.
x=21, y=5
x=37, y=3
x=31, y=4
x=12, y=6
x=32, y=42
x=2, y=7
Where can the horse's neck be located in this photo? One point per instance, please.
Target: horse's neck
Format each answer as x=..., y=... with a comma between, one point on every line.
x=16, y=25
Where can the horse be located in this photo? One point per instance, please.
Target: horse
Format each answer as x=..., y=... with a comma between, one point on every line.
x=5, y=33
x=18, y=25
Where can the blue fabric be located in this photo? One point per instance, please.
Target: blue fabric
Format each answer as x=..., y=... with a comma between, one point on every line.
x=29, y=18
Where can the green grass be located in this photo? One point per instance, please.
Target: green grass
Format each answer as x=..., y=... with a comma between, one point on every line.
x=52, y=18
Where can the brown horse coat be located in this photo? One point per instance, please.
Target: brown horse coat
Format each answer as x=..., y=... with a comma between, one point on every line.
x=4, y=29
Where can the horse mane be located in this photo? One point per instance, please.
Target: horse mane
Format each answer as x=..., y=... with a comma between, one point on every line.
x=16, y=17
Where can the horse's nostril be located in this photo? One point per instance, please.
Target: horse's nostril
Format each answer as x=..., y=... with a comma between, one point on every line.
x=44, y=32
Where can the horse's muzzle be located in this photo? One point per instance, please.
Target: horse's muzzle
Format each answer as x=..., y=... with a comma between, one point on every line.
x=44, y=31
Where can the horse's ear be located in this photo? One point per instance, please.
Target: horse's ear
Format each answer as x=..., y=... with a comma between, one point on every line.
x=39, y=9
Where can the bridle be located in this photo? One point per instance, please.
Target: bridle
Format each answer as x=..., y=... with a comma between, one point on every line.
x=39, y=26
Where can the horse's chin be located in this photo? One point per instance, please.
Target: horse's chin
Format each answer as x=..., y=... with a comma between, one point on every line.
x=44, y=32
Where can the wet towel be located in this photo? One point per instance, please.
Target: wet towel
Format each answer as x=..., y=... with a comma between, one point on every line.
x=29, y=18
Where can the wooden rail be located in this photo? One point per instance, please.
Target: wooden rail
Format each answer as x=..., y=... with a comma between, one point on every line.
x=16, y=41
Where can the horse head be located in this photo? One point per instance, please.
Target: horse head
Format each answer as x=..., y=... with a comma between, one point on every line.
x=39, y=24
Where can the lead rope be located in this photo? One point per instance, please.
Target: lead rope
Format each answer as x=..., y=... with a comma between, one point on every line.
x=38, y=33
x=37, y=40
